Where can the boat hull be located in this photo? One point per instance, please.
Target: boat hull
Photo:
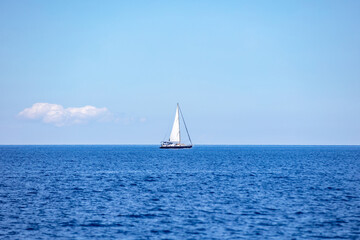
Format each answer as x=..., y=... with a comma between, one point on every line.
x=175, y=147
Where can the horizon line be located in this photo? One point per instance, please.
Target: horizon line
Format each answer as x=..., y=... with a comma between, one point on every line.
x=139, y=144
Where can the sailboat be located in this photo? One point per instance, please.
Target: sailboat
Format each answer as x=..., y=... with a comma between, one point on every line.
x=175, y=136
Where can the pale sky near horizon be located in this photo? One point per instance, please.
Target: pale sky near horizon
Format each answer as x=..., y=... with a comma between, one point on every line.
x=244, y=72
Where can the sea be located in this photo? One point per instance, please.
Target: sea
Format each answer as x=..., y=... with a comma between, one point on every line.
x=207, y=192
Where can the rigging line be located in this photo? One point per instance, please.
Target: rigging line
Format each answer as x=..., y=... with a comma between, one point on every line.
x=185, y=125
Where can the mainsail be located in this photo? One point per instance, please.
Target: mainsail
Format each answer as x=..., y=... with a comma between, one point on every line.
x=175, y=132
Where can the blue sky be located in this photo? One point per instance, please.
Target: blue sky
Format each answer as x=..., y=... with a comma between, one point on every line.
x=244, y=72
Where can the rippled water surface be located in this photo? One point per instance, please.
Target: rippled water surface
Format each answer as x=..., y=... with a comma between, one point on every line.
x=208, y=192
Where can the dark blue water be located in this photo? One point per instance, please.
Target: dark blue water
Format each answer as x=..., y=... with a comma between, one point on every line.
x=208, y=192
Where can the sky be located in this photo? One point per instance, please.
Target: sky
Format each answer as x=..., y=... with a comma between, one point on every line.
x=244, y=72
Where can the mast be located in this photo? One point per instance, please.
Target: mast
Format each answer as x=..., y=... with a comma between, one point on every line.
x=178, y=107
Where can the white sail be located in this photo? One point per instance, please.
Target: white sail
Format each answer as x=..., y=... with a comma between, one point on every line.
x=175, y=132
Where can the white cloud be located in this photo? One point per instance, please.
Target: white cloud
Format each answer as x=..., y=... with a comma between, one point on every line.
x=60, y=116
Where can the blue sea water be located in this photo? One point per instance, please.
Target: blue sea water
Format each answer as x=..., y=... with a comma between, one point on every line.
x=208, y=192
